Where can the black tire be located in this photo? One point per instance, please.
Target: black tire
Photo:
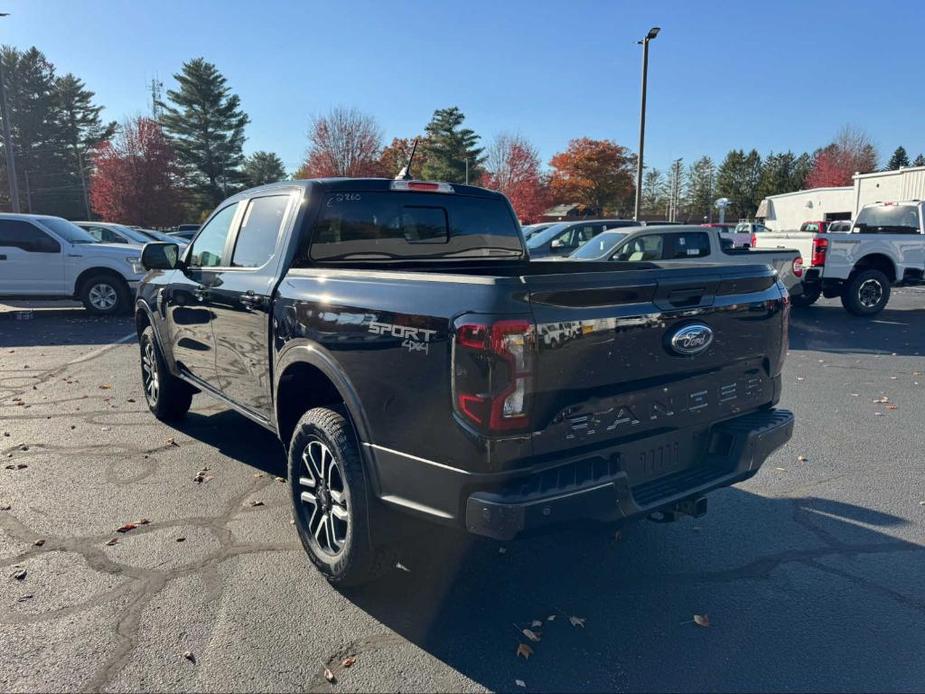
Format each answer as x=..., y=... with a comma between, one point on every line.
x=168, y=398
x=105, y=294
x=866, y=293
x=809, y=296
x=337, y=535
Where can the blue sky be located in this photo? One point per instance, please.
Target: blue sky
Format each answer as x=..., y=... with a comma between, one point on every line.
x=775, y=76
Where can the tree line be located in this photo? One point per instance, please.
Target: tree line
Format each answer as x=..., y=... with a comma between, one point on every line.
x=177, y=163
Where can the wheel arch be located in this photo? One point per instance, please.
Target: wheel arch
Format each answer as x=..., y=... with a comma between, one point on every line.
x=877, y=261
x=96, y=270
x=306, y=377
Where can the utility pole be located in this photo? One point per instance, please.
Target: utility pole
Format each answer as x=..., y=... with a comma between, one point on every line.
x=156, y=86
x=653, y=32
x=8, y=143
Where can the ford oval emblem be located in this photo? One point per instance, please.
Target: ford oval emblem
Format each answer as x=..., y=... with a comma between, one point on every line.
x=691, y=339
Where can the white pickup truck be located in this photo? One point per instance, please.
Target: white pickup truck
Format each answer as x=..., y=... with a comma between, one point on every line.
x=885, y=247
x=49, y=257
x=694, y=244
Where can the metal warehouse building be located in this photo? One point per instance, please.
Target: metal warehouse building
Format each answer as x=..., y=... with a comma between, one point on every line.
x=786, y=212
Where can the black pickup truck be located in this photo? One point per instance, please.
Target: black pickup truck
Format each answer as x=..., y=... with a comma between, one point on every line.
x=415, y=363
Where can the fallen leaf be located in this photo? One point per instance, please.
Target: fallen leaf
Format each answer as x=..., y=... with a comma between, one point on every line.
x=142, y=521
x=329, y=676
x=181, y=539
x=5, y=507
x=280, y=479
x=891, y=407
x=23, y=598
x=106, y=386
x=258, y=474
x=882, y=399
x=348, y=661
x=19, y=574
x=112, y=542
x=524, y=651
x=126, y=528
x=131, y=400
x=532, y=635
x=172, y=442
x=21, y=466
x=577, y=621
x=702, y=620
x=855, y=395
x=189, y=656
x=520, y=683
x=256, y=503
x=39, y=542
x=802, y=458
x=878, y=414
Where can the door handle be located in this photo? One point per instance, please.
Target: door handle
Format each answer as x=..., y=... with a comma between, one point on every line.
x=250, y=300
x=200, y=292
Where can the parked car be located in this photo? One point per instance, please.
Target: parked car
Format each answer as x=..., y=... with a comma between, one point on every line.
x=564, y=237
x=532, y=229
x=690, y=244
x=108, y=232
x=386, y=332
x=840, y=226
x=885, y=247
x=185, y=235
x=751, y=228
x=188, y=227
x=815, y=227
x=49, y=257
x=154, y=235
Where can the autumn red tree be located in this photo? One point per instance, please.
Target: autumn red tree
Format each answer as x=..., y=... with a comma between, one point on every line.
x=135, y=179
x=344, y=142
x=835, y=164
x=394, y=157
x=513, y=168
x=595, y=173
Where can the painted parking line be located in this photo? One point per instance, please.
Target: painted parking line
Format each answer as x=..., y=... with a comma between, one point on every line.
x=97, y=352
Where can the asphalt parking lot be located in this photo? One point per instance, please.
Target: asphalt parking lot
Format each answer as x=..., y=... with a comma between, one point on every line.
x=810, y=573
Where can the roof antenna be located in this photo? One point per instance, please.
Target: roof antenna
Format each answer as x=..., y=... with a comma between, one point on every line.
x=405, y=173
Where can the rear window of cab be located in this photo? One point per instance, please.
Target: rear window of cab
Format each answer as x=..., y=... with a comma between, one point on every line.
x=406, y=225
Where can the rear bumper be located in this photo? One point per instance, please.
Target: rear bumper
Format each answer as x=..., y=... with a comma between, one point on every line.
x=594, y=487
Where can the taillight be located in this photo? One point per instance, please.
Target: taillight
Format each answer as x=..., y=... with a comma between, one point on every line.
x=798, y=266
x=493, y=373
x=820, y=246
x=754, y=240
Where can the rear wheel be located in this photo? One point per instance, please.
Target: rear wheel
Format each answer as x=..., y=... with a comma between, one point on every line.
x=105, y=295
x=866, y=293
x=809, y=296
x=167, y=396
x=331, y=503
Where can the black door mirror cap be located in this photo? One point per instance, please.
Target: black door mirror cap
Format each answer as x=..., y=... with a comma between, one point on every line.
x=160, y=255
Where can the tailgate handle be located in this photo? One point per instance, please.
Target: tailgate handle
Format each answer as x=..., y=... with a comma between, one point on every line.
x=682, y=298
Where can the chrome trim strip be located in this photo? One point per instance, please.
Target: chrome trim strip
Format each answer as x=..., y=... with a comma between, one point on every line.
x=416, y=458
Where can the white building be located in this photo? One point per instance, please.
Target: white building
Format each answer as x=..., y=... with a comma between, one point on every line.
x=786, y=212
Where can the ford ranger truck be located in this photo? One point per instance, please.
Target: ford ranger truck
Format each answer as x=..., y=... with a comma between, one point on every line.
x=415, y=364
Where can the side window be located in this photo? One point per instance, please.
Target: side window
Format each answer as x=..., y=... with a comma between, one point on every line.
x=643, y=248
x=105, y=235
x=27, y=237
x=259, y=230
x=693, y=245
x=208, y=248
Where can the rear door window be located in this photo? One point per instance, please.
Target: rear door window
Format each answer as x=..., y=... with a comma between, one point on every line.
x=398, y=225
x=642, y=248
x=27, y=237
x=260, y=227
x=692, y=245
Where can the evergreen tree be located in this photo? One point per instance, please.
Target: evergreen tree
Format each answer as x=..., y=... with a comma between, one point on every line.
x=206, y=124
x=919, y=160
x=450, y=147
x=898, y=160
x=81, y=128
x=263, y=167
x=737, y=179
x=654, y=194
x=701, y=186
x=782, y=173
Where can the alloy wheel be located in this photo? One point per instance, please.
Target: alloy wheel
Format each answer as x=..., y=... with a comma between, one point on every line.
x=324, y=498
x=870, y=293
x=102, y=296
x=149, y=374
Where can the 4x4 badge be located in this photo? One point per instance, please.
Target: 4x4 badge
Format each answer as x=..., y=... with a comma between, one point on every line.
x=691, y=339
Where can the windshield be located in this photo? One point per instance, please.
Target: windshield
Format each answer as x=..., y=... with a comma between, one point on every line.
x=540, y=238
x=532, y=229
x=158, y=235
x=599, y=245
x=885, y=219
x=67, y=231
x=133, y=234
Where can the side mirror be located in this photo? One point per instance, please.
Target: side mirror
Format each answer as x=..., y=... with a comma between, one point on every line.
x=160, y=255
x=556, y=243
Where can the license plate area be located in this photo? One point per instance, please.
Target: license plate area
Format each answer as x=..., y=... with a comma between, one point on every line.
x=659, y=456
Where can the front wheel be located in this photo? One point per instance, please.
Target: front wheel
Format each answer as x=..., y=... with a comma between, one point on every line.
x=105, y=295
x=866, y=293
x=168, y=397
x=331, y=502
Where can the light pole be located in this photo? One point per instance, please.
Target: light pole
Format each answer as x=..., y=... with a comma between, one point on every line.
x=653, y=32
x=8, y=141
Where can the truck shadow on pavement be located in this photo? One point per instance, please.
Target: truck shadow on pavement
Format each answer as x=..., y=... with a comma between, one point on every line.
x=829, y=328
x=801, y=594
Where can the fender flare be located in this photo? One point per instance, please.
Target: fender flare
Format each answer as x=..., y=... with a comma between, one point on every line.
x=166, y=351
x=304, y=351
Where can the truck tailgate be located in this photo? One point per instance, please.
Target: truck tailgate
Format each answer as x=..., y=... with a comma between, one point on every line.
x=608, y=367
